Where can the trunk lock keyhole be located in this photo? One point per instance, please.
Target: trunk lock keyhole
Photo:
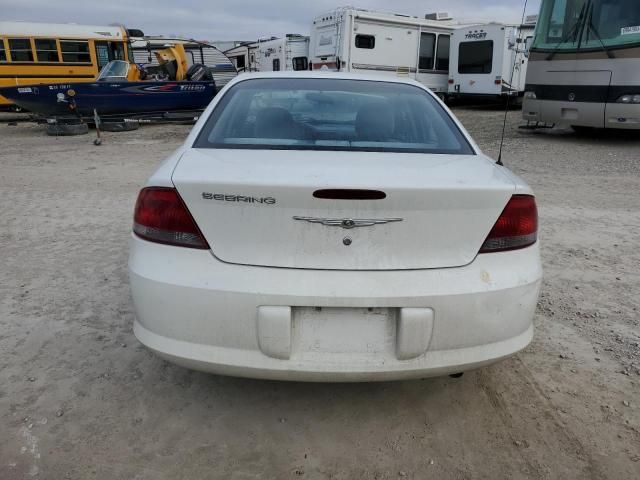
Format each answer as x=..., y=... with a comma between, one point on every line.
x=347, y=241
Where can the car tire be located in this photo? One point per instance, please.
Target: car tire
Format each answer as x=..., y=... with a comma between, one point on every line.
x=67, y=129
x=119, y=126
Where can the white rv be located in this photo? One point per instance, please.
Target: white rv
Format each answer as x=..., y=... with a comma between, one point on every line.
x=271, y=54
x=484, y=57
x=356, y=40
x=288, y=53
x=244, y=56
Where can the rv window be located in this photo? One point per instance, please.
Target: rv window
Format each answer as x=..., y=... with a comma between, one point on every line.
x=476, y=57
x=301, y=63
x=47, y=50
x=3, y=54
x=276, y=64
x=427, y=48
x=240, y=62
x=20, y=49
x=442, y=54
x=366, y=41
x=75, y=52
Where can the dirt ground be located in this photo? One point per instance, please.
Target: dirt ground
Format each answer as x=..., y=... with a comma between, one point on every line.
x=81, y=399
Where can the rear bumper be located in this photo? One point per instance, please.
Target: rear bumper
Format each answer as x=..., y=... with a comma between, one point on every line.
x=201, y=313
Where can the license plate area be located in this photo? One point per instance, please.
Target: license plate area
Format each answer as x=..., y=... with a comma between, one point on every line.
x=343, y=334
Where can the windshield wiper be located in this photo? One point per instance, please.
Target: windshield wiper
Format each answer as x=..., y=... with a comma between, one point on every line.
x=573, y=32
x=592, y=28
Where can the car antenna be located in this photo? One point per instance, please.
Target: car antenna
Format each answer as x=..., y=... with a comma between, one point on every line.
x=506, y=109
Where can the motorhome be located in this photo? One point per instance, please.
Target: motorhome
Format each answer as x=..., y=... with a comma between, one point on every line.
x=34, y=53
x=290, y=52
x=220, y=66
x=490, y=60
x=355, y=40
x=584, y=64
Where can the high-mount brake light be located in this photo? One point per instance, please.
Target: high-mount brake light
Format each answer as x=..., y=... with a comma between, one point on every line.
x=517, y=226
x=162, y=217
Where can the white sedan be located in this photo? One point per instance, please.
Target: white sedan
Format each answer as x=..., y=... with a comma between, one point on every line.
x=333, y=227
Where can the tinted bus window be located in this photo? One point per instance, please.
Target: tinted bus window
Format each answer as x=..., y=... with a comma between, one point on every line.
x=20, y=49
x=427, y=48
x=46, y=50
x=3, y=53
x=476, y=57
x=75, y=52
x=442, y=54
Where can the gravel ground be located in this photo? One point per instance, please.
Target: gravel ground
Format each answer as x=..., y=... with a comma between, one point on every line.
x=81, y=399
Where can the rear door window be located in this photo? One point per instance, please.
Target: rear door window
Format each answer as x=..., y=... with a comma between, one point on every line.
x=476, y=57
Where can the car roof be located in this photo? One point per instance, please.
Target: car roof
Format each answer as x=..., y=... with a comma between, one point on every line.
x=319, y=74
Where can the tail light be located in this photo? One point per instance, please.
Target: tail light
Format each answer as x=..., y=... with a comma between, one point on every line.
x=451, y=81
x=162, y=217
x=516, y=228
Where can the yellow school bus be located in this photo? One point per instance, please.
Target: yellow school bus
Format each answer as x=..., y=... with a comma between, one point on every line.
x=33, y=53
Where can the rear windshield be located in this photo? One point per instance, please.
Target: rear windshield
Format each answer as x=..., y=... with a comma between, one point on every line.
x=476, y=57
x=331, y=114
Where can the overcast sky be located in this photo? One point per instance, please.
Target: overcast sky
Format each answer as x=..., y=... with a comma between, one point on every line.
x=240, y=19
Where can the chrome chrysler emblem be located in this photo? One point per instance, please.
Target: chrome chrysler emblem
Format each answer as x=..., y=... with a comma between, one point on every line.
x=348, y=223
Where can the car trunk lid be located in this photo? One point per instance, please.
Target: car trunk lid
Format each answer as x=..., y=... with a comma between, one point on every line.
x=257, y=207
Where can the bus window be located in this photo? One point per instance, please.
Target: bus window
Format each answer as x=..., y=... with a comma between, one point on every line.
x=276, y=64
x=442, y=54
x=3, y=53
x=20, y=50
x=427, y=48
x=117, y=49
x=46, y=50
x=476, y=57
x=75, y=52
x=560, y=24
x=102, y=54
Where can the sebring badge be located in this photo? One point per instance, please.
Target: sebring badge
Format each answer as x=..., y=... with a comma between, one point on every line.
x=348, y=223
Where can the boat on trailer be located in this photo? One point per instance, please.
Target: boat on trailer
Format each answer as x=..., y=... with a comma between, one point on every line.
x=124, y=90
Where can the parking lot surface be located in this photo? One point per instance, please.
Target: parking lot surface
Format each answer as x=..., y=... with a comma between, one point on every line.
x=81, y=399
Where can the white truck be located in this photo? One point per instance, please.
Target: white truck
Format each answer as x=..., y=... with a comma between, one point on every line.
x=355, y=40
x=490, y=60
